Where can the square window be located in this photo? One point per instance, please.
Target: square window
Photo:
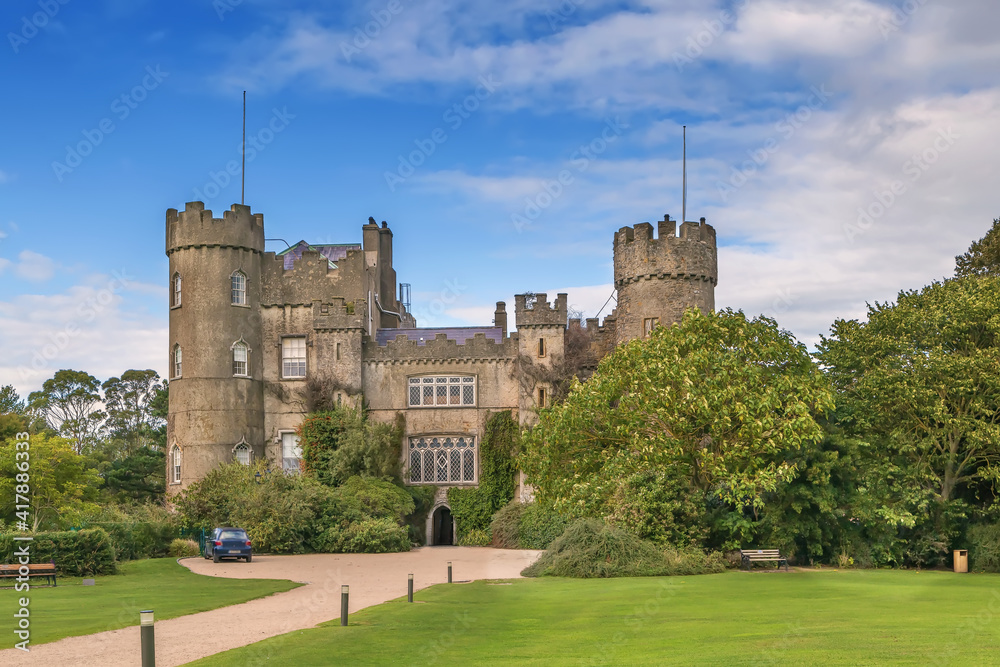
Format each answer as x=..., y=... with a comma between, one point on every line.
x=293, y=357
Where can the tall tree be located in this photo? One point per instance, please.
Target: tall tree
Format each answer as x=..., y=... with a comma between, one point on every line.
x=69, y=402
x=983, y=256
x=706, y=409
x=10, y=401
x=130, y=405
x=920, y=382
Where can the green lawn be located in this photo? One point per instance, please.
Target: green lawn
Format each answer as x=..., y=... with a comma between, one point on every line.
x=824, y=617
x=162, y=585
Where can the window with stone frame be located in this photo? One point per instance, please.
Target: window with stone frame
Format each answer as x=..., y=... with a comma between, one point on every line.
x=177, y=361
x=242, y=454
x=291, y=453
x=648, y=325
x=442, y=391
x=442, y=460
x=293, y=357
x=175, y=464
x=238, y=283
x=241, y=359
x=175, y=291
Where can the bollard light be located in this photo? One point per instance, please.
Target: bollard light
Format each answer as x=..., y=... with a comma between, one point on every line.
x=148, y=645
x=449, y=572
x=345, y=592
x=409, y=588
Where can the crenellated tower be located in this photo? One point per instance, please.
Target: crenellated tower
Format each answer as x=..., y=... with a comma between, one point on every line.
x=659, y=277
x=216, y=412
x=541, y=329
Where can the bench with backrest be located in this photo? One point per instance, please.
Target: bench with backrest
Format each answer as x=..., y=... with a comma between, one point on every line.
x=40, y=570
x=751, y=556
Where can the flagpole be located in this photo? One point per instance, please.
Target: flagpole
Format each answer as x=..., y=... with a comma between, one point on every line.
x=684, y=179
x=243, y=151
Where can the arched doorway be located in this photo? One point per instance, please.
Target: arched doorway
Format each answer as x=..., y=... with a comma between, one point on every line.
x=444, y=527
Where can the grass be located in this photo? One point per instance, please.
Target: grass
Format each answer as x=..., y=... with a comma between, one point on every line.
x=816, y=617
x=170, y=590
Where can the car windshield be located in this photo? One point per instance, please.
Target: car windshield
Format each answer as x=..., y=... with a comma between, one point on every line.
x=232, y=535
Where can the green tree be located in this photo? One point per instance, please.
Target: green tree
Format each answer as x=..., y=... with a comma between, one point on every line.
x=983, y=256
x=130, y=402
x=709, y=409
x=10, y=401
x=139, y=476
x=69, y=402
x=919, y=382
x=62, y=484
x=341, y=443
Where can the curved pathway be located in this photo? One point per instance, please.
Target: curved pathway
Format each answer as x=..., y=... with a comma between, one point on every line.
x=373, y=578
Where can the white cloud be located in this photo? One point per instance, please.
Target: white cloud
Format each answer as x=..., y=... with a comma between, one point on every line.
x=89, y=327
x=34, y=267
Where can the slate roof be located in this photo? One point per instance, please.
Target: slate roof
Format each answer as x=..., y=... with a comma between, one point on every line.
x=457, y=334
x=332, y=251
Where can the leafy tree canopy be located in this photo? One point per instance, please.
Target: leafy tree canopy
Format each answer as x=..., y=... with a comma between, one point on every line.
x=710, y=407
x=69, y=402
x=10, y=401
x=983, y=256
x=131, y=402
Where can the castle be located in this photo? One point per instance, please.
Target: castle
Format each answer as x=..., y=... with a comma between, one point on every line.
x=253, y=334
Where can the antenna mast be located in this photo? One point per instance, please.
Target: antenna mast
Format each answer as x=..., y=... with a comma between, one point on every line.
x=684, y=178
x=243, y=152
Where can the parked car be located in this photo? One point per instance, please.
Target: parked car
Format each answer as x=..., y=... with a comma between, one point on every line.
x=227, y=542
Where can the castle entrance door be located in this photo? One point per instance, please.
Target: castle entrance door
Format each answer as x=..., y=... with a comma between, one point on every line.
x=444, y=527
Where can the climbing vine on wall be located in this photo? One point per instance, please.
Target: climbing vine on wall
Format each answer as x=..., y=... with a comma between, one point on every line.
x=473, y=509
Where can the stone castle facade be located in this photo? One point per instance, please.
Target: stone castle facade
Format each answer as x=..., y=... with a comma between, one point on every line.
x=254, y=335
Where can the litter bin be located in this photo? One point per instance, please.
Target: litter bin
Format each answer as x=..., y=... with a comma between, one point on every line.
x=961, y=559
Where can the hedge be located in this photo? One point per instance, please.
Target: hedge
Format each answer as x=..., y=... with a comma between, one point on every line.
x=133, y=540
x=79, y=553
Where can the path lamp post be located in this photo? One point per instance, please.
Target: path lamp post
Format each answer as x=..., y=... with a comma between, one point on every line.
x=409, y=588
x=449, y=572
x=344, y=595
x=146, y=638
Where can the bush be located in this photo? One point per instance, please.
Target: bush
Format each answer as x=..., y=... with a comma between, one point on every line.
x=473, y=509
x=984, y=547
x=181, y=548
x=76, y=553
x=526, y=526
x=506, y=526
x=590, y=548
x=139, y=539
x=369, y=536
x=475, y=538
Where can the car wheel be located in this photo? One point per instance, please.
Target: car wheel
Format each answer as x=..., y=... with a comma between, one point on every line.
x=249, y=557
x=215, y=557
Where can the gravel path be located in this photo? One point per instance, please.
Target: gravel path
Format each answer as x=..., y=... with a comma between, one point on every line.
x=373, y=578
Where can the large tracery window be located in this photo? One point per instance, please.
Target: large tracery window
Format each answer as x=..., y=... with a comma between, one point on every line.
x=442, y=460
x=442, y=391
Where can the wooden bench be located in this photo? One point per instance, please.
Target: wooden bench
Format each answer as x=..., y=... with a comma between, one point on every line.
x=45, y=570
x=751, y=556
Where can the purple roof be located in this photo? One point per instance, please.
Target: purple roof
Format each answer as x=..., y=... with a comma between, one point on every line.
x=333, y=252
x=457, y=334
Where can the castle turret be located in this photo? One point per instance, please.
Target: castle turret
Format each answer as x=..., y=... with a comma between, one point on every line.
x=659, y=277
x=541, y=335
x=216, y=412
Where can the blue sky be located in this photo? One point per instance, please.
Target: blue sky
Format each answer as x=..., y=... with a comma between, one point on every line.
x=843, y=149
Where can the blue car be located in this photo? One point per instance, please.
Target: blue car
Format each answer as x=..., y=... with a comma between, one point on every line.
x=228, y=543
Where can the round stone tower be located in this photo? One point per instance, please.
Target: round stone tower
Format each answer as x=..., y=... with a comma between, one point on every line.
x=659, y=278
x=216, y=411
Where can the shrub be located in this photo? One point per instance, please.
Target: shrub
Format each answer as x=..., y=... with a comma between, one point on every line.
x=540, y=525
x=591, y=548
x=475, y=538
x=506, y=526
x=342, y=442
x=76, y=553
x=984, y=547
x=182, y=548
x=473, y=509
x=139, y=539
x=370, y=536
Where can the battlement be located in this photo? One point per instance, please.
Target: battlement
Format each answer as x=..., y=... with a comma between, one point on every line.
x=532, y=310
x=684, y=251
x=440, y=350
x=194, y=227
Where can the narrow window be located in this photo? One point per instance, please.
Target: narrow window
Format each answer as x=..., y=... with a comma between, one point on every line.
x=177, y=361
x=175, y=299
x=242, y=453
x=541, y=347
x=338, y=351
x=291, y=453
x=541, y=398
x=241, y=366
x=175, y=463
x=293, y=357
x=239, y=289
x=648, y=325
